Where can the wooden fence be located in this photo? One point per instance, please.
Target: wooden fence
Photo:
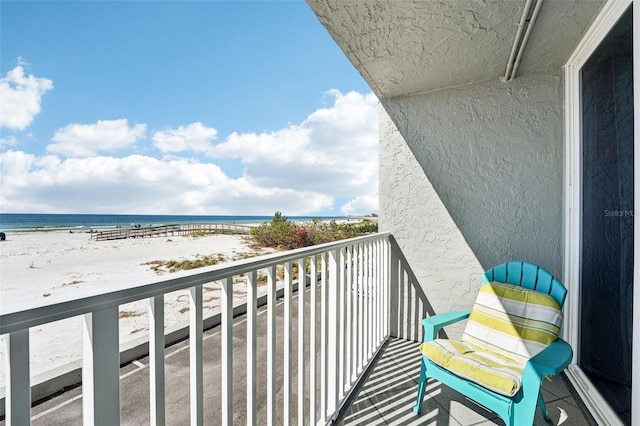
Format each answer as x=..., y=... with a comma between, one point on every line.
x=170, y=230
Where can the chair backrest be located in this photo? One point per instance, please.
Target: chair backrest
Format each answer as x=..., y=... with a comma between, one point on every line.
x=527, y=275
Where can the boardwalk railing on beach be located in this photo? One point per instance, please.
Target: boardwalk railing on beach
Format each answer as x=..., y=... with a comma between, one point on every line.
x=315, y=353
x=170, y=230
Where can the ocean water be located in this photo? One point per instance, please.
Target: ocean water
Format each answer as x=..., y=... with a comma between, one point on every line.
x=50, y=222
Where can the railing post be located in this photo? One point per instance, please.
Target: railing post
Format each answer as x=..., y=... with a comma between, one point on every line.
x=349, y=318
x=18, y=399
x=394, y=286
x=271, y=345
x=226, y=365
x=323, y=338
x=333, y=334
x=101, y=368
x=361, y=306
x=287, y=335
x=301, y=339
x=312, y=341
x=342, y=324
x=195, y=353
x=252, y=286
x=156, y=360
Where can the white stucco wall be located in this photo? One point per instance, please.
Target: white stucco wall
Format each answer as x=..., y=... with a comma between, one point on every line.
x=471, y=177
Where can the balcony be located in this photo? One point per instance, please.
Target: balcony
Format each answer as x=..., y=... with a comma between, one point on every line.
x=340, y=349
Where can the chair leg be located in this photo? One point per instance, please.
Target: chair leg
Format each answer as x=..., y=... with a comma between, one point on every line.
x=422, y=385
x=543, y=407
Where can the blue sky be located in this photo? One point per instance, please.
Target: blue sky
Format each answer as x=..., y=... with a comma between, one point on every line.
x=203, y=107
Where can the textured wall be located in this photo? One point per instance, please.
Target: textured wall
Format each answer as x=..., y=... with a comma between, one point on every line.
x=471, y=177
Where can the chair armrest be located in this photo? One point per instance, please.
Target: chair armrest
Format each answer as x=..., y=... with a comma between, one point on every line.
x=432, y=325
x=552, y=360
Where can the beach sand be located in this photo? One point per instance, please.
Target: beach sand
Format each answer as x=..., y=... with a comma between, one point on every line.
x=50, y=266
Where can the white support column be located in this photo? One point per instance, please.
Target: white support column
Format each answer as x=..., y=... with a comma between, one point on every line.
x=195, y=355
x=287, y=336
x=156, y=360
x=271, y=345
x=101, y=368
x=226, y=364
x=18, y=398
x=301, y=340
x=252, y=294
x=312, y=340
x=333, y=335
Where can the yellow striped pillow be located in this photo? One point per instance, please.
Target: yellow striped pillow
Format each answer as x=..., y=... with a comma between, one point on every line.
x=513, y=321
x=488, y=369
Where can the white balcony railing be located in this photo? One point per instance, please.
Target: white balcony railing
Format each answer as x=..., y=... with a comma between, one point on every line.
x=349, y=296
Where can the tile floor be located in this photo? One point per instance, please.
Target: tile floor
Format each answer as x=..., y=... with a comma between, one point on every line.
x=387, y=396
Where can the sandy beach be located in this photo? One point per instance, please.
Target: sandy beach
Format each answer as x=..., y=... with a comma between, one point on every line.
x=37, y=266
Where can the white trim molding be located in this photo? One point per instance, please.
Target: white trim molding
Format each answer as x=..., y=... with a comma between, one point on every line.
x=604, y=22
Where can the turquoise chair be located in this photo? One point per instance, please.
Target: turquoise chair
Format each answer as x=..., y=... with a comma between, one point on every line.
x=519, y=409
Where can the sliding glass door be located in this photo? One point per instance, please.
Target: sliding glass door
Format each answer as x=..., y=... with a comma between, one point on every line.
x=602, y=196
x=606, y=284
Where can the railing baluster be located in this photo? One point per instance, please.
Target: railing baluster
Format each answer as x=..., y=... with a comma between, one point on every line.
x=156, y=360
x=18, y=398
x=332, y=334
x=287, y=344
x=341, y=323
x=312, y=342
x=323, y=337
x=301, y=339
x=387, y=287
x=349, y=317
x=226, y=364
x=101, y=368
x=195, y=355
x=374, y=285
x=361, y=305
x=367, y=303
x=252, y=294
x=271, y=345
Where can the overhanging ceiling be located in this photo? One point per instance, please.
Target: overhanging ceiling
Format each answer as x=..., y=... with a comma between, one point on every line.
x=404, y=47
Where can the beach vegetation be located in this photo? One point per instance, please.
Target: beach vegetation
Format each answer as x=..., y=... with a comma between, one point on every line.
x=128, y=314
x=160, y=266
x=283, y=234
x=197, y=234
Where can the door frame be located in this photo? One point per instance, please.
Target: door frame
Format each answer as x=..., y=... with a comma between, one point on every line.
x=606, y=19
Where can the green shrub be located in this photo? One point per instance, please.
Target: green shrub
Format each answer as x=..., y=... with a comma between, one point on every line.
x=282, y=234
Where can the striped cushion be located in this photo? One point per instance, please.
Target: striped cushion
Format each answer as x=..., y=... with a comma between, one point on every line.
x=512, y=321
x=488, y=369
x=507, y=326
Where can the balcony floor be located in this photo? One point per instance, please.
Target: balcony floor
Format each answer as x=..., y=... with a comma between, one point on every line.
x=389, y=393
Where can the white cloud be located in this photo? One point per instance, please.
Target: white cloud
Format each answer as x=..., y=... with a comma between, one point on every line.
x=361, y=205
x=85, y=140
x=300, y=170
x=195, y=137
x=10, y=141
x=333, y=151
x=20, y=97
x=139, y=184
